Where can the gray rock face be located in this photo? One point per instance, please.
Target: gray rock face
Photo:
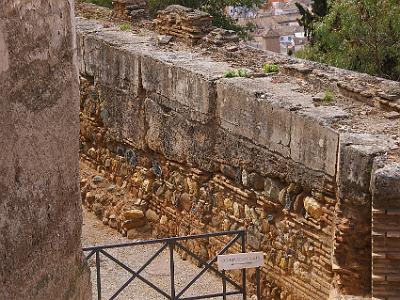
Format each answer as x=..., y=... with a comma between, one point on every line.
x=40, y=212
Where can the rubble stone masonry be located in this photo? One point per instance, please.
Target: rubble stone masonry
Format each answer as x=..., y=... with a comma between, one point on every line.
x=204, y=153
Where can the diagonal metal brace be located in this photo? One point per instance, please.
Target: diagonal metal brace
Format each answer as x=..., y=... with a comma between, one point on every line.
x=227, y=246
x=136, y=274
x=209, y=266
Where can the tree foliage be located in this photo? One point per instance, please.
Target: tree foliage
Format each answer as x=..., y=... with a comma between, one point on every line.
x=216, y=8
x=319, y=9
x=361, y=35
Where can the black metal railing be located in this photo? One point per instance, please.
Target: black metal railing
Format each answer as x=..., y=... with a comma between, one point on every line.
x=172, y=243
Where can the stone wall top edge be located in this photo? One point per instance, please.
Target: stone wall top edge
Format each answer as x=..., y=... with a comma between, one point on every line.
x=385, y=177
x=286, y=96
x=190, y=61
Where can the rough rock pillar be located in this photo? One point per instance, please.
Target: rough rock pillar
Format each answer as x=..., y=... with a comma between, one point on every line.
x=40, y=210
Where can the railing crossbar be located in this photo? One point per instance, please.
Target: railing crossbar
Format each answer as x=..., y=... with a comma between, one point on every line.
x=165, y=240
x=212, y=295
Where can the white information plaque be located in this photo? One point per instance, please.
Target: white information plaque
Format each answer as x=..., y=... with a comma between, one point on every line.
x=240, y=261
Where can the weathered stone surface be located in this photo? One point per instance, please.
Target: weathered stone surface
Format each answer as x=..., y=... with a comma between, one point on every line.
x=176, y=137
x=258, y=109
x=133, y=214
x=183, y=22
x=313, y=145
x=121, y=113
x=40, y=211
x=221, y=36
x=313, y=208
x=129, y=9
x=96, y=49
x=356, y=156
x=183, y=78
x=236, y=151
x=385, y=179
x=244, y=114
x=272, y=188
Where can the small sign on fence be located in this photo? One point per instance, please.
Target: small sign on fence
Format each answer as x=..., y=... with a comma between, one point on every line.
x=240, y=261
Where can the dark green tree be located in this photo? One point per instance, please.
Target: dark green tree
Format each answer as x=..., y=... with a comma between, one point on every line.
x=319, y=9
x=361, y=35
x=216, y=8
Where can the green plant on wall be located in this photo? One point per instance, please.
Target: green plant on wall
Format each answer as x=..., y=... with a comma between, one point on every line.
x=236, y=73
x=125, y=27
x=270, y=68
x=329, y=97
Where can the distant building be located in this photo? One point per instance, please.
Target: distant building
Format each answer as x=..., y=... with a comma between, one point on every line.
x=282, y=39
x=277, y=26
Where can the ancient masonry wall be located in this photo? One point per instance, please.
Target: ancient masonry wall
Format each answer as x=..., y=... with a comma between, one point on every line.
x=385, y=188
x=40, y=207
x=206, y=153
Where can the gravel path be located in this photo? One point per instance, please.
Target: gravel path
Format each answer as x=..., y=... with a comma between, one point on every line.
x=113, y=276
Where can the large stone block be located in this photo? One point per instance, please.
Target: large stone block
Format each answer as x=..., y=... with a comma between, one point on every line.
x=87, y=48
x=110, y=64
x=385, y=180
x=122, y=114
x=279, y=119
x=176, y=137
x=239, y=152
x=185, y=78
x=110, y=56
x=356, y=157
x=243, y=111
x=313, y=144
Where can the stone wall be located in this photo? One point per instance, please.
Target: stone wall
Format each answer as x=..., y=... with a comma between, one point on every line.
x=205, y=153
x=40, y=211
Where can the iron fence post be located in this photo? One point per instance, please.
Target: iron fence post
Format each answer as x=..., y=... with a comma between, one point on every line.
x=171, y=245
x=258, y=279
x=98, y=278
x=244, y=270
x=223, y=285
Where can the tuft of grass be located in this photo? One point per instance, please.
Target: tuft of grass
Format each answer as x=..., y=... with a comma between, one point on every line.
x=270, y=68
x=236, y=73
x=242, y=73
x=125, y=27
x=329, y=96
